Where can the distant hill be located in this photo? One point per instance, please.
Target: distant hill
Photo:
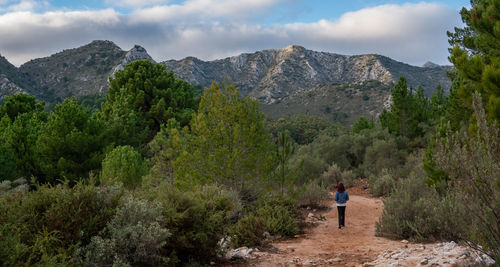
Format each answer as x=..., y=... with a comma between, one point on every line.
x=294, y=80
x=287, y=81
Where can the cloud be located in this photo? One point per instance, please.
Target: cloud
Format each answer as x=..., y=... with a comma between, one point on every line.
x=196, y=11
x=210, y=29
x=135, y=3
x=23, y=5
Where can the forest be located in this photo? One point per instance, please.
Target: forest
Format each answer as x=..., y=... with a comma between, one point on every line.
x=159, y=175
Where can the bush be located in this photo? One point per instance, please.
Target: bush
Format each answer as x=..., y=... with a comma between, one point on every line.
x=348, y=178
x=197, y=219
x=383, y=154
x=279, y=220
x=313, y=194
x=123, y=164
x=332, y=176
x=382, y=185
x=304, y=167
x=45, y=225
x=249, y=231
x=417, y=212
x=135, y=236
x=281, y=215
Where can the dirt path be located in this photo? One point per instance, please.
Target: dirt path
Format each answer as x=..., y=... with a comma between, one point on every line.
x=326, y=244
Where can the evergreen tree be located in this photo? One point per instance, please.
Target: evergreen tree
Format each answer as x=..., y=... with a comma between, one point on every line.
x=284, y=150
x=70, y=144
x=227, y=143
x=476, y=57
x=19, y=130
x=145, y=96
x=123, y=164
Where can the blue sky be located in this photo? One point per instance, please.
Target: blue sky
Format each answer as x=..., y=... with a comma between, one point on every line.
x=410, y=31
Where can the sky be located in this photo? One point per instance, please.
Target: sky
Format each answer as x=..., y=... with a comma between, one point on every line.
x=410, y=31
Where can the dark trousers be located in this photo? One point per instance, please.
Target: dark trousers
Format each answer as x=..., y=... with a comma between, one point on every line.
x=341, y=211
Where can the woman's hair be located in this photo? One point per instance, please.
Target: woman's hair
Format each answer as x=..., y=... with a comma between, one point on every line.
x=340, y=188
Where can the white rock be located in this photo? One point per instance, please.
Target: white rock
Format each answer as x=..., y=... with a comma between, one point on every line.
x=239, y=253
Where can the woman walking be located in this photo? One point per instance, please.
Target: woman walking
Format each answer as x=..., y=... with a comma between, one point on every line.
x=341, y=197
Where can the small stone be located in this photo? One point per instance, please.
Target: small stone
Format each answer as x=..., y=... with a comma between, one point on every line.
x=310, y=215
x=424, y=262
x=308, y=208
x=292, y=248
x=404, y=241
x=266, y=235
x=212, y=263
x=364, y=186
x=296, y=236
x=337, y=259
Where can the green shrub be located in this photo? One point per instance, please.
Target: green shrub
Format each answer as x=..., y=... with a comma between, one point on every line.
x=197, y=219
x=382, y=154
x=332, y=176
x=281, y=214
x=135, y=236
x=383, y=184
x=304, y=167
x=45, y=225
x=348, y=178
x=417, y=212
x=313, y=194
x=123, y=164
x=279, y=220
x=248, y=231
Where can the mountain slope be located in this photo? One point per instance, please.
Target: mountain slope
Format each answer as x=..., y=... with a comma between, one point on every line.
x=294, y=80
x=271, y=75
x=73, y=72
x=287, y=81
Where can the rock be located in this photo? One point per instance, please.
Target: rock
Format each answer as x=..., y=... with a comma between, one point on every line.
x=212, y=263
x=225, y=243
x=404, y=241
x=267, y=235
x=310, y=215
x=239, y=253
x=424, y=262
x=292, y=248
x=364, y=186
x=337, y=259
x=369, y=264
x=273, y=249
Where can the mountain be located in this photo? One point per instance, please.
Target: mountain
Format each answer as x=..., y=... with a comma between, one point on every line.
x=76, y=72
x=287, y=81
x=295, y=80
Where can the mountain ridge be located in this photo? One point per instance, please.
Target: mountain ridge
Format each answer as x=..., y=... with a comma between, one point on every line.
x=287, y=81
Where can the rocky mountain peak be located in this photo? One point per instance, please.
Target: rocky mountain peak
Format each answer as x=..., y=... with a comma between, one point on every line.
x=430, y=64
x=292, y=49
x=136, y=53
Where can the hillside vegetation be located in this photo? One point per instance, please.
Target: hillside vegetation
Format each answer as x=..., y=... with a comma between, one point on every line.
x=159, y=177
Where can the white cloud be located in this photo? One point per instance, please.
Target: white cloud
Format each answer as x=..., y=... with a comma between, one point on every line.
x=135, y=3
x=22, y=5
x=201, y=10
x=209, y=29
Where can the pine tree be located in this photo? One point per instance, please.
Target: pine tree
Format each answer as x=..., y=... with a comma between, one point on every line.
x=227, y=143
x=476, y=57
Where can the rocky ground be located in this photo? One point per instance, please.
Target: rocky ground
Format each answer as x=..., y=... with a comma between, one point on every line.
x=324, y=244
